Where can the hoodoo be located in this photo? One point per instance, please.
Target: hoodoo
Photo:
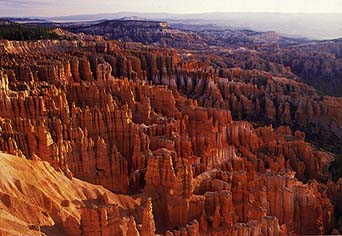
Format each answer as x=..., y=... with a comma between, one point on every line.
x=136, y=128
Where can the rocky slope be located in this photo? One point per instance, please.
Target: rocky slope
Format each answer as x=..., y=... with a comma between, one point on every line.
x=194, y=150
x=38, y=200
x=147, y=32
x=317, y=63
x=177, y=35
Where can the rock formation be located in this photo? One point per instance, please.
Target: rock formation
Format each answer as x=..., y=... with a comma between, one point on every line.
x=187, y=149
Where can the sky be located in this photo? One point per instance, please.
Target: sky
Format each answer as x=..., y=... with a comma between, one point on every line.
x=77, y=7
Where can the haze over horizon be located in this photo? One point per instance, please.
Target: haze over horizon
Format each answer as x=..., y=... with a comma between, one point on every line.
x=51, y=8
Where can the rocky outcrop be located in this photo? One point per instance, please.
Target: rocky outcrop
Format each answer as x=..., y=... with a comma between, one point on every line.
x=31, y=203
x=199, y=153
x=140, y=31
x=148, y=227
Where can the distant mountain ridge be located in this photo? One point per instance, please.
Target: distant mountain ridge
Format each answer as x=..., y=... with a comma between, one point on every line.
x=163, y=34
x=313, y=26
x=24, y=20
x=133, y=18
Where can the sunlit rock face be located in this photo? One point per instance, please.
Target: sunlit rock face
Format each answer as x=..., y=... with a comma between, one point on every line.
x=104, y=139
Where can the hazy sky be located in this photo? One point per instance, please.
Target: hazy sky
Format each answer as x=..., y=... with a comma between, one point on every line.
x=74, y=7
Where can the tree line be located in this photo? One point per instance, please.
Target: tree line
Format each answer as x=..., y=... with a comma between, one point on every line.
x=14, y=31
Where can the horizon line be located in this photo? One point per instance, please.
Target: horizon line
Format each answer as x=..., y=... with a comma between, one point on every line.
x=175, y=13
